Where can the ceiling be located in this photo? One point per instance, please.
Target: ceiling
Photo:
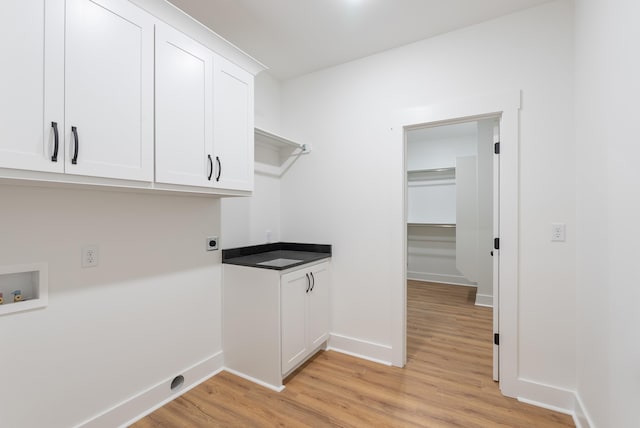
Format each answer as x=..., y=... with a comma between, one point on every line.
x=295, y=37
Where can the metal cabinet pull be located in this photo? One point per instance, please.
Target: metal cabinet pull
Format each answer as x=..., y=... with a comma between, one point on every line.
x=313, y=284
x=54, y=157
x=308, y=283
x=74, y=130
x=219, y=168
x=210, y=167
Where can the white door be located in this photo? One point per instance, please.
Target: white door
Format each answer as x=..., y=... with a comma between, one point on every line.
x=109, y=90
x=32, y=84
x=294, y=289
x=318, y=306
x=184, y=110
x=233, y=126
x=496, y=253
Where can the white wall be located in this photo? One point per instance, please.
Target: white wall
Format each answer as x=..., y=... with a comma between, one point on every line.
x=428, y=150
x=339, y=194
x=608, y=208
x=268, y=103
x=252, y=220
x=148, y=311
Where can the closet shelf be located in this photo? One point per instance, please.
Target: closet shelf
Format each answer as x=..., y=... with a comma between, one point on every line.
x=432, y=175
x=278, y=141
x=431, y=170
x=277, y=153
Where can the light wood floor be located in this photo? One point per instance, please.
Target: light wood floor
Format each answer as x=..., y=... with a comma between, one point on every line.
x=446, y=382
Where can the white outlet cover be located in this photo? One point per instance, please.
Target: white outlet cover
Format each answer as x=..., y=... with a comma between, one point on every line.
x=90, y=256
x=558, y=232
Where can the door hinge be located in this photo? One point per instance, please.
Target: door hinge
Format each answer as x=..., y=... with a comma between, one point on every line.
x=496, y=243
x=496, y=338
x=496, y=148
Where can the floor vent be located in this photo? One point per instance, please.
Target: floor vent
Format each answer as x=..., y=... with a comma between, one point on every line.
x=177, y=382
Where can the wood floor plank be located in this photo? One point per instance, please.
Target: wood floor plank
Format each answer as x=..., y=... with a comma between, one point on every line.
x=446, y=382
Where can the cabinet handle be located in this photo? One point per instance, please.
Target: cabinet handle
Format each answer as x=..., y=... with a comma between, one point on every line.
x=210, y=167
x=74, y=131
x=54, y=157
x=313, y=284
x=219, y=168
x=308, y=283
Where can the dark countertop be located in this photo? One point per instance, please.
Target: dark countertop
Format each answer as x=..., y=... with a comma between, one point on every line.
x=253, y=255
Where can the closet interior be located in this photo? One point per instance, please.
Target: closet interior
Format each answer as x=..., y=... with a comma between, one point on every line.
x=450, y=186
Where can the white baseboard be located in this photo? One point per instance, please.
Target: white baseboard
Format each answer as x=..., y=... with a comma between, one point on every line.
x=140, y=405
x=484, y=300
x=275, y=388
x=443, y=279
x=580, y=416
x=547, y=396
x=360, y=348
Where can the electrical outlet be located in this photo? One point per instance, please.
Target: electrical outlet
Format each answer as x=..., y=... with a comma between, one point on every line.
x=90, y=256
x=212, y=243
x=558, y=232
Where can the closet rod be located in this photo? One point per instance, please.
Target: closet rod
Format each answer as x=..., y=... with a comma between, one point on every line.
x=432, y=224
x=415, y=171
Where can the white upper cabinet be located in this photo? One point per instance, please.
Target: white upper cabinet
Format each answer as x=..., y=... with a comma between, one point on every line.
x=233, y=126
x=109, y=90
x=77, y=88
x=184, y=110
x=31, y=84
x=78, y=99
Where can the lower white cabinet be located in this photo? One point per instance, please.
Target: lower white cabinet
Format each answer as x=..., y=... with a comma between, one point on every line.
x=304, y=297
x=273, y=320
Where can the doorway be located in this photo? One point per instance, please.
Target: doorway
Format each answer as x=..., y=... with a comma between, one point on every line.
x=451, y=220
x=505, y=105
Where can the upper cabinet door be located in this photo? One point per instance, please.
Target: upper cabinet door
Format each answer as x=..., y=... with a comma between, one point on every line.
x=184, y=110
x=233, y=126
x=32, y=84
x=109, y=90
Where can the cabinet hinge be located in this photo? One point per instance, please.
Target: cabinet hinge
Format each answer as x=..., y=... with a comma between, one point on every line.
x=496, y=243
x=496, y=339
x=496, y=148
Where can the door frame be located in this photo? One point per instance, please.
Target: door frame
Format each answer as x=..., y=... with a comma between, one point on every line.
x=506, y=106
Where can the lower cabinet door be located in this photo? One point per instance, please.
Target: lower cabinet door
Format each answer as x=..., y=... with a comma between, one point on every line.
x=293, y=294
x=318, y=306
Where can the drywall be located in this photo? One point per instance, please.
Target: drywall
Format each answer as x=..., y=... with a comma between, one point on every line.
x=431, y=255
x=438, y=147
x=267, y=102
x=339, y=194
x=607, y=90
x=252, y=220
x=148, y=311
x=256, y=219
